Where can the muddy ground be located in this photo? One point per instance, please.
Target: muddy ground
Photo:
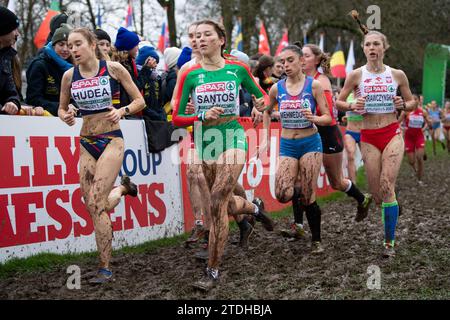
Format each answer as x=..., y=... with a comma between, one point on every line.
x=274, y=268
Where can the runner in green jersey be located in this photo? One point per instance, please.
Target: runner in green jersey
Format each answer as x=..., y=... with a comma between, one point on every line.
x=220, y=140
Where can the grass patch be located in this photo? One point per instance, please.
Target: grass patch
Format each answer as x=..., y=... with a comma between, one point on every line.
x=49, y=261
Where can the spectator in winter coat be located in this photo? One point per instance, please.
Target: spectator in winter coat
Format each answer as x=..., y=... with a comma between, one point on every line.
x=169, y=78
x=9, y=97
x=127, y=46
x=45, y=72
x=149, y=81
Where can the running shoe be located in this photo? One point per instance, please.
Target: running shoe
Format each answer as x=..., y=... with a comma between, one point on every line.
x=198, y=233
x=245, y=230
x=103, y=275
x=388, y=251
x=363, y=208
x=130, y=186
x=208, y=281
x=316, y=247
x=425, y=157
x=201, y=254
x=262, y=216
x=296, y=231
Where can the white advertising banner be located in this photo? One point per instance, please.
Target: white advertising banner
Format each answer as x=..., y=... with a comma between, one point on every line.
x=41, y=209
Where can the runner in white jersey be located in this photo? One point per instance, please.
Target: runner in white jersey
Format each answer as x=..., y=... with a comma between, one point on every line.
x=382, y=145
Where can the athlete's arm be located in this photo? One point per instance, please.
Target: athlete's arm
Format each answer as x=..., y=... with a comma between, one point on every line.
x=249, y=83
x=264, y=144
x=179, y=117
x=350, y=83
x=407, y=98
x=428, y=120
x=328, y=91
x=321, y=104
x=402, y=117
x=177, y=84
x=64, y=113
x=123, y=76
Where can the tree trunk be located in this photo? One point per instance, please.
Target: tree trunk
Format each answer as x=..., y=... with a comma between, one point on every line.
x=142, y=17
x=169, y=5
x=91, y=14
x=227, y=8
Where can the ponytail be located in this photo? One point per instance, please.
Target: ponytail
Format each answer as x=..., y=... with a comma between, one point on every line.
x=362, y=27
x=366, y=31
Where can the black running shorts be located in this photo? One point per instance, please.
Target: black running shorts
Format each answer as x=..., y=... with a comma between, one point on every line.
x=331, y=139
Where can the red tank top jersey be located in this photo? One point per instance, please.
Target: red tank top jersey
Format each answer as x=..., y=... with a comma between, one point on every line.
x=415, y=120
x=330, y=103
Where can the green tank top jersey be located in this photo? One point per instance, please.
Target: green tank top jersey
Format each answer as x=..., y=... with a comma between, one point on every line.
x=219, y=88
x=353, y=116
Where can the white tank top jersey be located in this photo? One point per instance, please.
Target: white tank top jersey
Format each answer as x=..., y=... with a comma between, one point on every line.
x=379, y=90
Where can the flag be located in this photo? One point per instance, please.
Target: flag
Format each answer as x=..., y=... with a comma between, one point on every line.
x=44, y=29
x=12, y=6
x=129, y=18
x=99, y=16
x=322, y=42
x=263, y=46
x=238, y=43
x=337, y=62
x=283, y=43
x=350, y=59
x=163, y=42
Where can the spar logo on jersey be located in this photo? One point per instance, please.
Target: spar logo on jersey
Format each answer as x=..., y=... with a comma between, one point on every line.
x=376, y=89
x=216, y=87
x=104, y=81
x=290, y=105
x=306, y=104
x=86, y=83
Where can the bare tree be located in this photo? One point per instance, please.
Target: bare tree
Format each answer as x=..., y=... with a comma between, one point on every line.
x=169, y=5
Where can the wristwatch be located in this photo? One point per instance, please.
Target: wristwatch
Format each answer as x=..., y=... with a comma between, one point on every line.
x=127, y=111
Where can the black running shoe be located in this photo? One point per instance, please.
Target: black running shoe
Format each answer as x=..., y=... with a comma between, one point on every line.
x=363, y=208
x=245, y=230
x=130, y=186
x=262, y=216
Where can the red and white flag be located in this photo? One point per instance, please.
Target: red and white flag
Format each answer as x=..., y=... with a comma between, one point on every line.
x=283, y=43
x=263, y=46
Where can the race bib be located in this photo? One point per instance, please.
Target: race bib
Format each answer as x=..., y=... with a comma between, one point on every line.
x=291, y=113
x=217, y=94
x=415, y=121
x=93, y=93
x=379, y=99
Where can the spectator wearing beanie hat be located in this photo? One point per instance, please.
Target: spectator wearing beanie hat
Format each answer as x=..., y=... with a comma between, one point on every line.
x=171, y=56
x=127, y=44
x=184, y=57
x=127, y=41
x=55, y=23
x=45, y=72
x=104, y=42
x=169, y=78
x=9, y=97
x=149, y=82
x=144, y=53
